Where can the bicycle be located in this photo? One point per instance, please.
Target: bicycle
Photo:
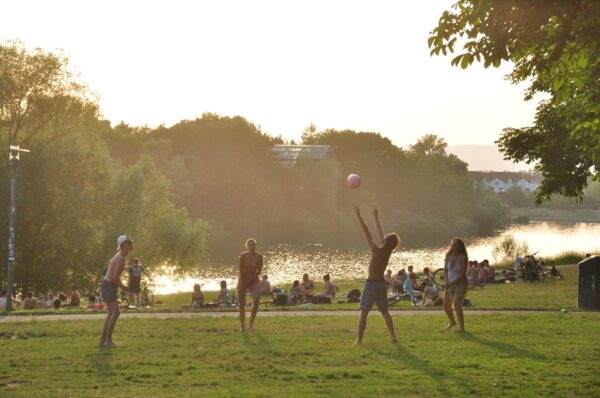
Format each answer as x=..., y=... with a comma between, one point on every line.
x=531, y=270
x=439, y=278
x=123, y=299
x=146, y=296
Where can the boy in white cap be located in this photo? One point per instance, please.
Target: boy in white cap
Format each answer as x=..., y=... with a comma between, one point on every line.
x=110, y=284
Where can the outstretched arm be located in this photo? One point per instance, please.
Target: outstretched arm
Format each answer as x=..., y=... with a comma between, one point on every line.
x=364, y=228
x=379, y=230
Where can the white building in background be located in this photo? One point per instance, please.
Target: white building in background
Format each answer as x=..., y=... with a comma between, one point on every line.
x=288, y=155
x=500, y=181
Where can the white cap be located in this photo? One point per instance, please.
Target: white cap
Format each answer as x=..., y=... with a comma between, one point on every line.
x=122, y=239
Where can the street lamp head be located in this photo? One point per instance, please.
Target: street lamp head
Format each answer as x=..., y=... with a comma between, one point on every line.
x=13, y=152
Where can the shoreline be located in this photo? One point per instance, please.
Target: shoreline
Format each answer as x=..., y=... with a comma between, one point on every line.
x=559, y=216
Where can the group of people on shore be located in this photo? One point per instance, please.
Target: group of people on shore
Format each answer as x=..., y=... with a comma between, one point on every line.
x=423, y=293
x=51, y=301
x=480, y=273
x=60, y=300
x=297, y=292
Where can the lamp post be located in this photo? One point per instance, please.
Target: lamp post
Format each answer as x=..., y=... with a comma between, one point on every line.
x=13, y=162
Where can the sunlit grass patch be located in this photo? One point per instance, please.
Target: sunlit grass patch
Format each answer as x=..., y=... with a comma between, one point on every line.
x=503, y=354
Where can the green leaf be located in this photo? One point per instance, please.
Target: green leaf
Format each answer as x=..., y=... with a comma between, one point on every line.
x=455, y=61
x=430, y=41
x=467, y=60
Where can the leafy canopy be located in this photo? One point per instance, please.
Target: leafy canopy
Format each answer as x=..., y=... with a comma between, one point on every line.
x=554, y=45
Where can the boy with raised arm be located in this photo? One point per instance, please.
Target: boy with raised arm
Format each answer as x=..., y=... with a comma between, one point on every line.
x=110, y=284
x=375, y=290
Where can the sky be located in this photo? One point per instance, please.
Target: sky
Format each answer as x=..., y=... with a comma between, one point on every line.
x=282, y=65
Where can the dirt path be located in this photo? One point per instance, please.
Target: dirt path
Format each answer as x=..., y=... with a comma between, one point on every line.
x=166, y=315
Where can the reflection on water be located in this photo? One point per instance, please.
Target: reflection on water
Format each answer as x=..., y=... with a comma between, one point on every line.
x=284, y=263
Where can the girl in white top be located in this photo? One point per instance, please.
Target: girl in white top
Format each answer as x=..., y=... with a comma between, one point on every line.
x=455, y=273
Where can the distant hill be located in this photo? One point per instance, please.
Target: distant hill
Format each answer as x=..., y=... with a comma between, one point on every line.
x=485, y=158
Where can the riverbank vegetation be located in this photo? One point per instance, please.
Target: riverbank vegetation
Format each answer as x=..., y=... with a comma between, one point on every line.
x=223, y=171
x=502, y=354
x=516, y=197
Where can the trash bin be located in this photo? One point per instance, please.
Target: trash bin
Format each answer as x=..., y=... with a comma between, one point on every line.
x=589, y=284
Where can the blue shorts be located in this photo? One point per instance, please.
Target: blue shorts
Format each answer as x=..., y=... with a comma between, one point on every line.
x=374, y=292
x=108, y=290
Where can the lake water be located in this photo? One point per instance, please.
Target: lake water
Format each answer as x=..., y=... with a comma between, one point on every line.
x=284, y=263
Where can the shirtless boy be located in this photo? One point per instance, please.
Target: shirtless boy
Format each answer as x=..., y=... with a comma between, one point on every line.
x=110, y=284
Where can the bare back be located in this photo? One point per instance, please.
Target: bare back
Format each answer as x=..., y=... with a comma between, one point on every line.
x=115, y=268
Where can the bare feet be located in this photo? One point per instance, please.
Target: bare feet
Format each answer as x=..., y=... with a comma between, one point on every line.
x=394, y=340
x=110, y=344
x=358, y=343
x=449, y=326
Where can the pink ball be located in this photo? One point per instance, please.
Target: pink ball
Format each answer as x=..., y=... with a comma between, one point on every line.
x=353, y=181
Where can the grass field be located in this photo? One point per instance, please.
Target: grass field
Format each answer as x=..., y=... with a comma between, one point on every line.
x=537, y=354
x=546, y=353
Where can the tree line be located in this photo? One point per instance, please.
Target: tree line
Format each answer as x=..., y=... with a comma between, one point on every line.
x=223, y=171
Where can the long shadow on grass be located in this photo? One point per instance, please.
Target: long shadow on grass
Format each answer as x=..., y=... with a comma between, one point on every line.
x=504, y=348
x=101, y=362
x=260, y=345
x=442, y=379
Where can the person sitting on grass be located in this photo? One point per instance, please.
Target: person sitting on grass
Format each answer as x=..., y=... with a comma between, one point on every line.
x=93, y=303
x=295, y=293
x=49, y=301
x=428, y=281
x=224, y=296
x=398, y=282
x=491, y=272
x=431, y=296
x=75, y=297
x=307, y=286
x=410, y=287
x=61, y=296
x=481, y=275
x=330, y=288
x=56, y=305
x=554, y=272
x=388, y=279
x=30, y=302
x=265, y=285
x=472, y=273
x=197, y=297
